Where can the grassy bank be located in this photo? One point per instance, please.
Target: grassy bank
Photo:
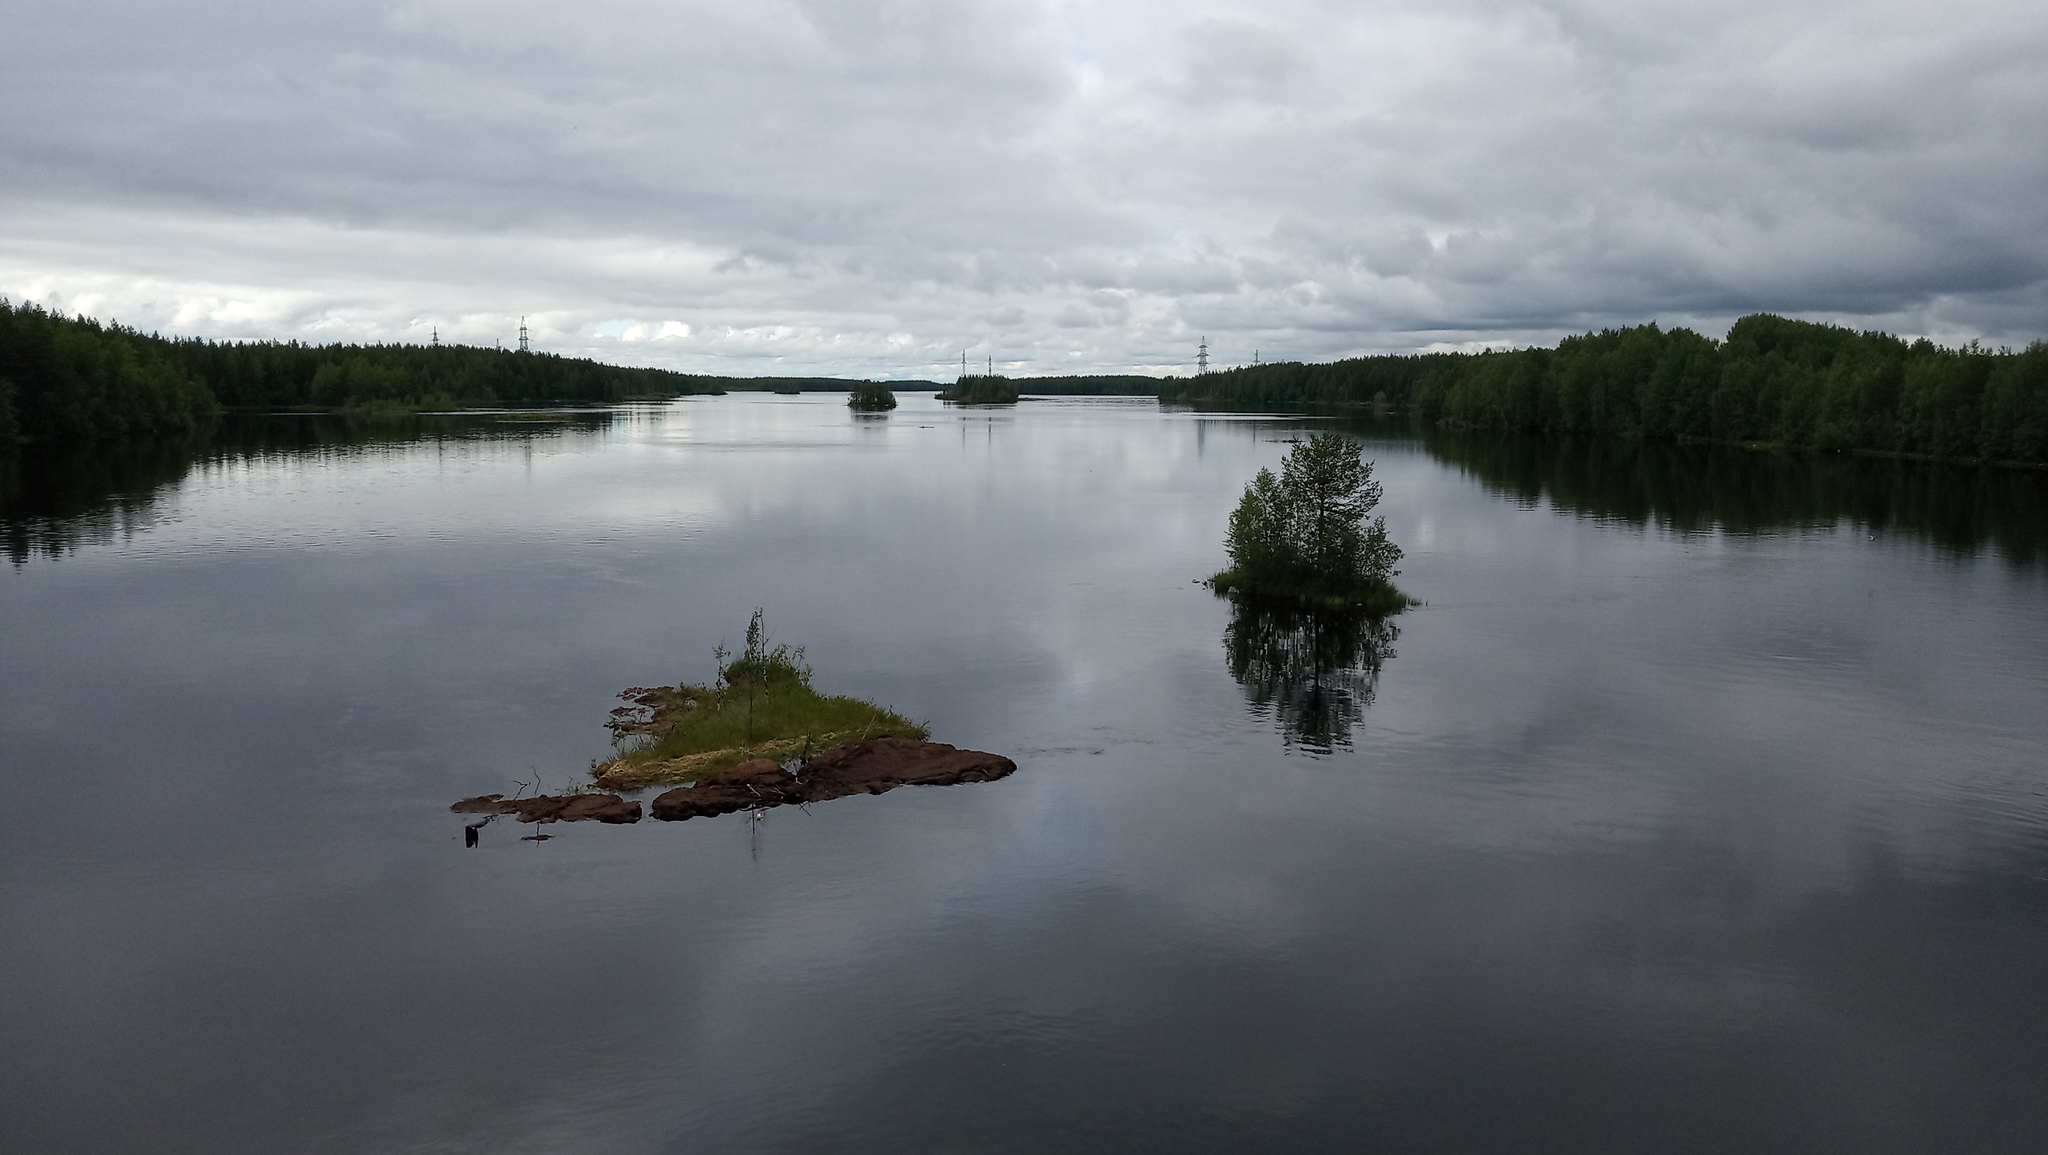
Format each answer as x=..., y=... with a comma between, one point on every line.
x=761, y=705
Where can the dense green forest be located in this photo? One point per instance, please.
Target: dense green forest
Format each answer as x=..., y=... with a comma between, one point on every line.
x=981, y=389
x=1775, y=381
x=65, y=380
x=1091, y=385
x=284, y=375
x=70, y=379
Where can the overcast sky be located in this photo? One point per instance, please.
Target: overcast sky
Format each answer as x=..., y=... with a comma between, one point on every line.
x=870, y=187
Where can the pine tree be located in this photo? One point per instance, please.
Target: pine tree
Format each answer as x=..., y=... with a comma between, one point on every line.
x=1304, y=535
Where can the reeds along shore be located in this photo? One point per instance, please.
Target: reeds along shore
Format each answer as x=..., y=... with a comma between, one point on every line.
x=1773, y=381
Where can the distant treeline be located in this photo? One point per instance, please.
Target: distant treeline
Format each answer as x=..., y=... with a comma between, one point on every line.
x=981, y=389
x=1777, y=381
x=1084, y=385
x=803, y=384
x=69, y=379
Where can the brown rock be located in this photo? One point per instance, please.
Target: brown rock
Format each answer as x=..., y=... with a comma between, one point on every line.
x=539, y=808
x=602, y=808
x=882, y=764
x=875, y=766
x=759, y=782
x=871, y=767
x=707, y=800
x=760, y=772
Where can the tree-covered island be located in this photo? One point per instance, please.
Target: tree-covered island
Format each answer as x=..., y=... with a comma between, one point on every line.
x=1302, y=537
x=872, y=397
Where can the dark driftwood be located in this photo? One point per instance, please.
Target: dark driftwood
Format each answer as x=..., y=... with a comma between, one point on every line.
x=554, y=808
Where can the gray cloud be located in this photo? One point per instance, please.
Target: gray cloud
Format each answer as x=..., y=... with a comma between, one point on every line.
x=871, y=187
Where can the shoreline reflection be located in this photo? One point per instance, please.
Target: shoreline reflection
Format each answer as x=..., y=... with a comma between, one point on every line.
x=1688, y=489
x=54, y=500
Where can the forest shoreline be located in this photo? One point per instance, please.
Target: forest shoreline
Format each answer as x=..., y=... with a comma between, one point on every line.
x=1773, y=384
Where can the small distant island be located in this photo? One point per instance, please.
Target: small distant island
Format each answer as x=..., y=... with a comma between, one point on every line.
x=872, y=397
x=1302, y=539
x=981, y=389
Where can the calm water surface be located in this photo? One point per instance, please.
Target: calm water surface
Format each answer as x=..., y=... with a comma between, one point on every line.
x=1700, y=809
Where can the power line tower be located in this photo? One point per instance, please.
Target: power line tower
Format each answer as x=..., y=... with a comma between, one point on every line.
x=1202, y=356
x=523, y=346
x=437, y=337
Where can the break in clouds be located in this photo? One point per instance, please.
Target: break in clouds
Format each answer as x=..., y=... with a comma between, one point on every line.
x=871, y=187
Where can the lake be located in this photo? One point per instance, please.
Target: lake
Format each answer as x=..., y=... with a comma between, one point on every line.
x=1699, y=808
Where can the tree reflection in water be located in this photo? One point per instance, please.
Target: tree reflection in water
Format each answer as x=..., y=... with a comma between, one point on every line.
x=54, y=498
x=1313, y=671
